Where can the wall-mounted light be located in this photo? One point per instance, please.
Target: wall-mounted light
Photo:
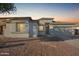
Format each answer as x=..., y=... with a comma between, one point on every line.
x=8, y=20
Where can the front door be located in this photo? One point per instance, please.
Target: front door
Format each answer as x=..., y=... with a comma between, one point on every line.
x=76, y=31
x=47, y=28
x=1, y=29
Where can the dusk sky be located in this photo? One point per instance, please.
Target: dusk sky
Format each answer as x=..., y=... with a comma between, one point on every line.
x=61, y=12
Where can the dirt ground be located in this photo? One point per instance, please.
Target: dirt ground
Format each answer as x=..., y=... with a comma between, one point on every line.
x=36, y=47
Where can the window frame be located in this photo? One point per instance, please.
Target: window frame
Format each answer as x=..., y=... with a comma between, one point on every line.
x=18, y=29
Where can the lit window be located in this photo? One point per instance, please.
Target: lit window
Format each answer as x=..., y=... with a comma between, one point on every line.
x=20, y=27
x=41, y=28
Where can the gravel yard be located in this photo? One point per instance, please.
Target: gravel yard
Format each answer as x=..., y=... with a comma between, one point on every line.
x=36, y=47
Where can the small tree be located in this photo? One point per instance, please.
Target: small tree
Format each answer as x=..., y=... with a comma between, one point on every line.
x=7, y=8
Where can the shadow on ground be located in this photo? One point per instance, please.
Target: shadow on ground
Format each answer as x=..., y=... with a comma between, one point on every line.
x=10, y=45
x=45, y=38
x=51, y=39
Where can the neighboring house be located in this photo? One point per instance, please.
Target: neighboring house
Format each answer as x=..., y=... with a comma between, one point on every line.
x=25, y=27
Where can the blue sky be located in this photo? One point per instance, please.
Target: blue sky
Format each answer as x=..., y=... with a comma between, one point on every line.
x=47, y=9
x=38, y=10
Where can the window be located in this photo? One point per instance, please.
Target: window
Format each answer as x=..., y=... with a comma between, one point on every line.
x=41, y=28
x=20, y=27
x=50, y=26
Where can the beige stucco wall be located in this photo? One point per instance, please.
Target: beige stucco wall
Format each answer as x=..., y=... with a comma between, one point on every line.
x=10, y=30
x=31, y=29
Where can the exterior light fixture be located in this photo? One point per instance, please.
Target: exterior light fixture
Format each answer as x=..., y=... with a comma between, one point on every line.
x=7, y=20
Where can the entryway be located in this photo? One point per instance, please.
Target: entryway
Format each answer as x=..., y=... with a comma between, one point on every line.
x=76, y=31
x=1, y=30
x=47, y=28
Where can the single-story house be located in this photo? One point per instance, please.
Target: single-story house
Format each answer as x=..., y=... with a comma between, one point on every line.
x=18, y=27
x=25, y=27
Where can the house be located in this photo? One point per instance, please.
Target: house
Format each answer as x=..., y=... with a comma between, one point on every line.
x=63, y=29
x=18, y=27
x=26, y=27
x=44, y=24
